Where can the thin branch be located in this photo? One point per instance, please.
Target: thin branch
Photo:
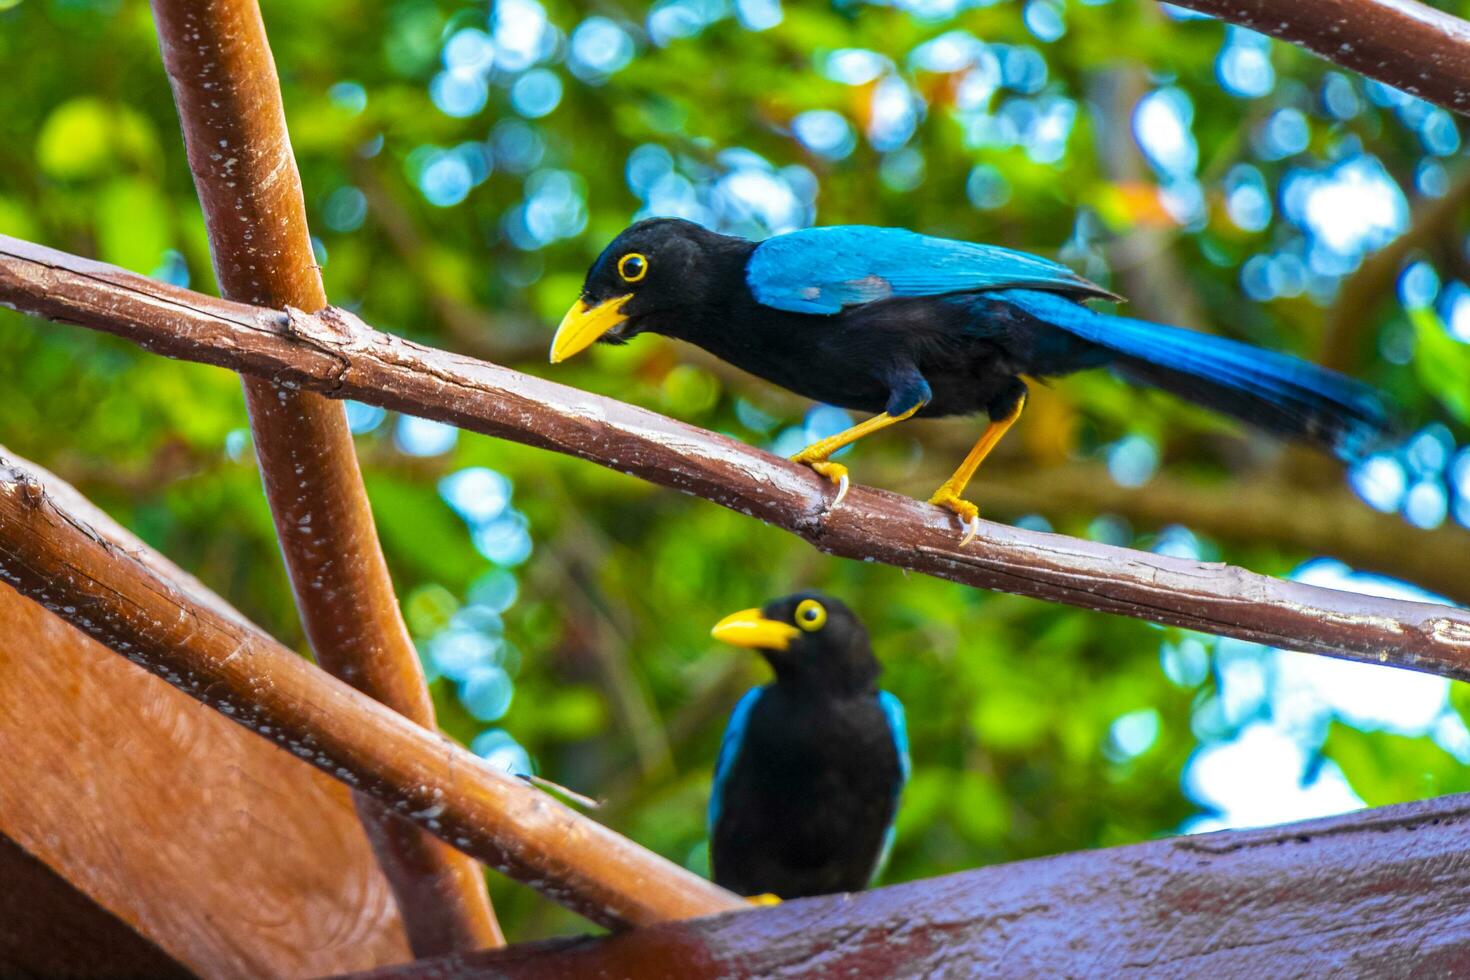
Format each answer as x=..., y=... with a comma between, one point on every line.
x=224, y=81
x=1403, y=43
x=129, y=602
x=335, y=353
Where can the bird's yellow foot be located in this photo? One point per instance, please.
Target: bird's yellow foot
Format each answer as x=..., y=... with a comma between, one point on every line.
x=835, y=472
x=766, y=899
x=968, y=513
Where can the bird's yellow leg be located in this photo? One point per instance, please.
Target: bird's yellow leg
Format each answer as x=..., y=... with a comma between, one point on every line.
x=816, y=454
x=948, y=494
x=766, y=899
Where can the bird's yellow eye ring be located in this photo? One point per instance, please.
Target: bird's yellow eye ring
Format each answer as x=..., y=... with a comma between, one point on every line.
x=811, y=615
x=633, y=266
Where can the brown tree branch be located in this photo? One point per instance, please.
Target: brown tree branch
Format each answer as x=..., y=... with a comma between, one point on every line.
x=123, y=599
x=1403, y=43
x=1313, y=522
x=224, y=82
x=336, y=353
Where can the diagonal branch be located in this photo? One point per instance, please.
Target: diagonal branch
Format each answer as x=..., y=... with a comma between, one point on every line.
x=126, y=599
x=1403, y=43
x=224, y=82
x=335, y=353
x=1302, y=521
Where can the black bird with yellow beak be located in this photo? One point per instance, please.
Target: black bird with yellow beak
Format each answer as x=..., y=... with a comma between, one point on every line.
x=887, y=321
x=811, y=766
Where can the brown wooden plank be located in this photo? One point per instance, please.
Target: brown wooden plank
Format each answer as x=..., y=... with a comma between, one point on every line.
x=1381, y=892
x=49, y=929
x=55, y=551
x=230, y=855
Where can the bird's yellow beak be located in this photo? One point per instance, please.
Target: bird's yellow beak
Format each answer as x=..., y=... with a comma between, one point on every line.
x=748, y=628
x=582, y=325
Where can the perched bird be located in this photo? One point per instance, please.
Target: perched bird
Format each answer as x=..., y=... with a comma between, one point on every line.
x=811, y=766
x=888, y=321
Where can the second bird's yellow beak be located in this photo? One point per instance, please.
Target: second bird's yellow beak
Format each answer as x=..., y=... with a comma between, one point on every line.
x=749, y=628
x=583, y=324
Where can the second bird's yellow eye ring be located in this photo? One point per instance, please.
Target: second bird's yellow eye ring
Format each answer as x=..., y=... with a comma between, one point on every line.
x=811, y=615
x=633, y=266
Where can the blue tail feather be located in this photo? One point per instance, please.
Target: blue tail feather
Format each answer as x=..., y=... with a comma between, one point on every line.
x=1282, y=394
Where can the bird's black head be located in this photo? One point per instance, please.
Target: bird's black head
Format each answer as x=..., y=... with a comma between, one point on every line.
x=654, y=275
x=811, y=641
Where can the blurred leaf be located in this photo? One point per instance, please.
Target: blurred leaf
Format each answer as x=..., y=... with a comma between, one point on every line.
x=421, y=533
x=1442, y=362
x=428, y=609
x=14, y=219
x=1008, y=719
x=86, y=137
x=1384, y=768
x=132, y=224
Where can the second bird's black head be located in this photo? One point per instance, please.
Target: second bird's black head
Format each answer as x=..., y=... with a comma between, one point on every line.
x=812, y=641
x=663, y=275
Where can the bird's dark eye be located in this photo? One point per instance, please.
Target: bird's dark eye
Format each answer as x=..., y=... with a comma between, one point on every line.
x=633, y=267
x=811, y=615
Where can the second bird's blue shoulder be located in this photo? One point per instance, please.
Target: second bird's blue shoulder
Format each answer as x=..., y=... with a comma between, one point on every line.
x=823, y=270
x=729, y=750
x=898, y=727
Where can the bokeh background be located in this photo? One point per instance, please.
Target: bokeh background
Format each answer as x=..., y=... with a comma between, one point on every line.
x=463, y=164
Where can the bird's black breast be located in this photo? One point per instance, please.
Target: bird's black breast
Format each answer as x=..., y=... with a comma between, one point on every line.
x=970, y=349
x=809, y=798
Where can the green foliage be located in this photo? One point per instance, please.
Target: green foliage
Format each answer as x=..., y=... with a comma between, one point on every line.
x=1384, y=768
x=618, y=690
x=1442, y=363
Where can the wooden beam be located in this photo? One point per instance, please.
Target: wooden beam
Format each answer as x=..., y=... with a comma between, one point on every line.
x=50, y=929
x=335, y=353
x=215, y=846
x=52, y=552
x=1381, y=892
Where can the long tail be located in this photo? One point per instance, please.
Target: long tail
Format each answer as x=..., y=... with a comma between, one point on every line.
x=1283, y=395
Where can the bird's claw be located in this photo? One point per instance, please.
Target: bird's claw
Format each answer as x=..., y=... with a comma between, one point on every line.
x=835, y=472
x=762, y=900
x=967, y=512
x=842, y=485
x=972, y=528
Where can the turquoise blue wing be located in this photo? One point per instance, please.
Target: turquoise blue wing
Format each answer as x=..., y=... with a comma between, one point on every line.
x=898, y=726
x=729, y=750
x=823, y=270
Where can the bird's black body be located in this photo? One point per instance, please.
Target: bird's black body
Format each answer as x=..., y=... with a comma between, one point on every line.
x=961, y=355
x=809, y=798
x=870, y=358
x=952, y=326
x=812, y=765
